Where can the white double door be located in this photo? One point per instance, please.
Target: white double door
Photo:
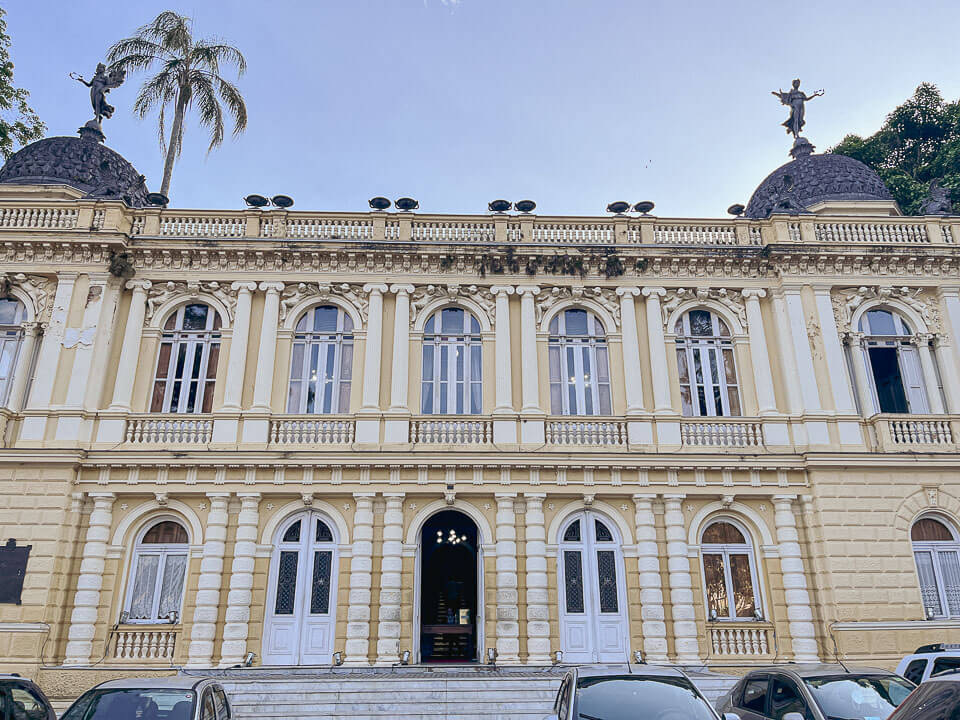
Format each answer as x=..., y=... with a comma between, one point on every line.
x=301, y=605
x=593, y=612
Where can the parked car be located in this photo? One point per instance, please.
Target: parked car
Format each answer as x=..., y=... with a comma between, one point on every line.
x=23, y=700
x=936, y=699
x=640, y=692
x=180, y=697
x=816, y=692
x=929, y=660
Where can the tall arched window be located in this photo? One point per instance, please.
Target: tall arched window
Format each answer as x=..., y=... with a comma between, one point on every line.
x=187, y=363
x=579, y=365
x=321, y=364
x=157, y=574
x=893, y=363
x=937, y=554
x=708, y=374
x=452, y=364
x=729, y=573
x=12, y=315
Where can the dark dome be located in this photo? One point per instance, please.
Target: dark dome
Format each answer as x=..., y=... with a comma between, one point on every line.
x=84, y=164
x=810, y=179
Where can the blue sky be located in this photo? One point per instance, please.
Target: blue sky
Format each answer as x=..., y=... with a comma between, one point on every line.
x=572, y=103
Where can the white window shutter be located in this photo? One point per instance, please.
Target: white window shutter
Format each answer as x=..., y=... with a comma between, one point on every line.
x=913, y=379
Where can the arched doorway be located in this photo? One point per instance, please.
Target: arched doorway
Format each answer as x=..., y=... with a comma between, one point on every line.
x=449, y=585
x=593, y=602
x=301, y=598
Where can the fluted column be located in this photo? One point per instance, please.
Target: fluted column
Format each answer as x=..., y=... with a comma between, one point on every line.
x=361, y=567
x=658, y=350
x=948, y=373
x=803, y=355
x=861, y=375
x=504, y=379
x=240, y=595
x=399, y=385
x=931, y=387
x=130, y=351
x=508, y=611
x=21, y=373
x=204, y=628
x=681, y=583
x=651, y=592
x=374, y=345
x=86, y=600
x=391, y=586
x=237, y=363
x=799, y=613
x=833, y=351
x=788, y=356
x=538, y=597
x=267, y=352
x=530, y=387
x=766, y=400
x=631, y=350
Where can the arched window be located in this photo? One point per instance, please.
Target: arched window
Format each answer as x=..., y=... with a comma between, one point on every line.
x=157, y=574
x=893, y=363
x=729, y=573
x=321, y=364
x=12, y=315
x=187, y=363
x=708, y=374
x=579, y=365
x=452, y=364
x=937, y=554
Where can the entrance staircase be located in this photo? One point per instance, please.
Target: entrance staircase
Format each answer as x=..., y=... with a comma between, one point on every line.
x=411, y=693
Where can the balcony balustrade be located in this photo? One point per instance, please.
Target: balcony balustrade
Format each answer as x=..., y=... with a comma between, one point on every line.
x=312, y=430
x=451, y=431
x=740, y=639
x=170, y=430
x=897, y=433
x=595, y=433
x=145, y=643
x=721, y=433
x=40, y=218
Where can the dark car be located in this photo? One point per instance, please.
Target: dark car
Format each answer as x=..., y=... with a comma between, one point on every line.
x=644, y=692
x=181, y=697
x=937, y=699
x=816, y=692
x=23, y=700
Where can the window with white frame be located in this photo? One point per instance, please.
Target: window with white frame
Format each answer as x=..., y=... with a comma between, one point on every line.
x=708, y=373
x=936, y=552
x=12, y=315
x=729, y=572
x=452, y=377
x=893, y=363
x=321, y=364
x=187, y=362
x=579, y=364
x=157, y=574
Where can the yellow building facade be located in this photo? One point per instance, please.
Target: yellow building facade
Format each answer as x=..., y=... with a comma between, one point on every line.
x=299, y=438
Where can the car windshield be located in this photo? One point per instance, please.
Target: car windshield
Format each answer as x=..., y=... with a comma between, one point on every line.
x=639, y=697
x=133, y=704
x=858, y=697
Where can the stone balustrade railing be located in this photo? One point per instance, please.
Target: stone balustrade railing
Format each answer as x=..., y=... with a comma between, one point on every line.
x=695, y=234
x=739, y=639
x=169, y=429
x=720, y=433
x=466, y=232
x=300, y=227
x=598, y=433
x=145, y=643
x=580, y=233
x=451, y=431
x=314, y=430
x=41, y=218
x=203, y=226
x=896, y=433
x=872, y=232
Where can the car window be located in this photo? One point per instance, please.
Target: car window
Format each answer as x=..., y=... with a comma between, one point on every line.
x=220, y=701
x=755, y=695
x=563, y=699
x=858, y=696
x=786, y=698
x=26, y=704
x=113, y=703
x=945, y=663
x=914, y=671
x=207, y=711
x=932, y=701
x=618, y=697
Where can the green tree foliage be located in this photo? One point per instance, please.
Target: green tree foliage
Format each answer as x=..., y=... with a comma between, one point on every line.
x=919, y=142
x=188, y=77
x=19, y=124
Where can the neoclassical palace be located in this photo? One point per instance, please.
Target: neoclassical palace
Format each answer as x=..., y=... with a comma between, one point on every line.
x=293, y=438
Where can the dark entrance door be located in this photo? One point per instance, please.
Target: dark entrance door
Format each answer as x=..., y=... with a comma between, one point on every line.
x=448, y=588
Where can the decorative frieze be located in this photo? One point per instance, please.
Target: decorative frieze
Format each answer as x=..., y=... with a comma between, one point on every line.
x=426, y=294
x=40, y=290
x=920, y=300
x=605, y=297
x=162, y=292
x=732, y=300
x=294, y=294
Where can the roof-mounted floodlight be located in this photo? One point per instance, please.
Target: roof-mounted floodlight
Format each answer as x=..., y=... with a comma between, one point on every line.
x=499, y=206
x=158, y=199
x=406, y=204
x=525, y=206
x=256, y=201
x=282, y=201
x=619, y=207
x=643, y=207
x=379, y=203
x=736, y=209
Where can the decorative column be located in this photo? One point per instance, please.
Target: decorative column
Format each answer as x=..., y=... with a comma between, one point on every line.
x=130, y=351
x=530, y=387
x=658, y=351
x=86, y=601
x=836, y=364
x=361, y=567
x=861, y=375
x=631, y=350
x=21, y=373
x=397, y=430
x=508, y=611
x=391, y=586
x=237, y=363
x=950, y=297
x=267, y=352
x=240, y=595
x=368, y=430
x=799, y=614
x=204, y=628
x=82, y=339
x=504, y=430
x=948, y=373
x=803, y=355
x=934, y=399
x=766, y=400
x=681, y=583
x=788, y=356
x=651, y=593
x=538, y=598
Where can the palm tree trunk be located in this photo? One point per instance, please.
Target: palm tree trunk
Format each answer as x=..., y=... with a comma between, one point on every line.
x=176, y=138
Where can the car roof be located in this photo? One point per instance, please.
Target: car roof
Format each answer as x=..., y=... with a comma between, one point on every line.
x=640, y=670
x=806, y=670
x=170, y=682
x=9, y=676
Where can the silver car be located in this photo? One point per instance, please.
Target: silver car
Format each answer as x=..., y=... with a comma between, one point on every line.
x=936, y=699
x=816, y=692
x=637, y=692
x=181, y=697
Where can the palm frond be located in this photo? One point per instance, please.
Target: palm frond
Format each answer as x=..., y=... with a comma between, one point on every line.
x=210, y=57
x=231, y=97
x=211, y=114
x=157, y=91
x=125, y=54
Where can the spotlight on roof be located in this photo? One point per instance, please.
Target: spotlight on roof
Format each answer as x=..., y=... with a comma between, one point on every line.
x=643, y=207
x=525, y=206
x=282, y=201
x=158, y=199
x=256, y=201
x=406, y=204
x=619, y=207
x=736, y=209
x=379, y=203
x=499, y=206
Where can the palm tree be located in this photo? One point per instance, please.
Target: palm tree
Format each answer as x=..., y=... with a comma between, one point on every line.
x=189, y=74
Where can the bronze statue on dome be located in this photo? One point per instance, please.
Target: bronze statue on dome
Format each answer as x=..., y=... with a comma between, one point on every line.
x=101, y=83
x=795, y=99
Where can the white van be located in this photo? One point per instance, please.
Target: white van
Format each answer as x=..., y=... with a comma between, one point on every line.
x=929, y=660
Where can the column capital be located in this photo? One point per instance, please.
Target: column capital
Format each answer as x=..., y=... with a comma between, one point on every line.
x=658, y=292
x=215, y=495
x=102, y=495
x=502, y=290
x=271, y=287
x=375, y=288
x=141, y=285
x=401, y=289
x=753, y=293
x=67, y=276
x=631, y=292
x=531, y=290
x=505, y=496
x=248, y=495
x=679, y=497
x=788, y=499
x=644, y=497
x=358, y=496
x=535, y=495
x=790, y=289
x=949, y=292
x=31, y=329
x=248, y=287
x=394, y=495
